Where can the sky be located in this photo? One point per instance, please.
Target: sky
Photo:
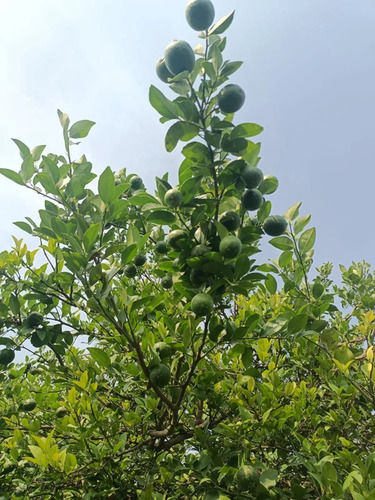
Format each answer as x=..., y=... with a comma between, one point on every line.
x=308, y=75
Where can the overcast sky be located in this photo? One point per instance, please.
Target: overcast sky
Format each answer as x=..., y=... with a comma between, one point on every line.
x=309, y=78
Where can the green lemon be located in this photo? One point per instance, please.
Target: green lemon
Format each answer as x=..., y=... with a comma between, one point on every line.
x=252, y=199
x=130, y=271
x=160, y=375
x=166, y=282
x=231, y=98
x=34, y=319
x=61, y=412
x=247, y=478
x=176, y=239
x=173, y=198
x=28, y=405
x=199, y=250
x=136, y=183
x=162, y=70
x=161, y=247
x=230, y=247
x=275, y=225
x=200, y=14
x=6, y=356
x=202, y=304
x=163, y=349
x=252, y=176
x=139, y=260
x=231, y=220
x=179, y=57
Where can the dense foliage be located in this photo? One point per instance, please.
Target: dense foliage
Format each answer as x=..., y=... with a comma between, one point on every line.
x=209, y=373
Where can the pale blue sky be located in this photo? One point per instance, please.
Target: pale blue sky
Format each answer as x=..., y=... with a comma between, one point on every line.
x=309, y=77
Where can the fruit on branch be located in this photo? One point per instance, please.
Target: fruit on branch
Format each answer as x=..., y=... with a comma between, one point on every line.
x=247, y=478
x=166, y=282
x=230, y=247
x=6, y=356
x=130, y=271
x=161, y=247
x=140, y=260
x=231, y=220
x=199, y=250
x=252, y=199
x=231, y=98
x=160, y=375
x=179, y=57
x=162, y=71
x=202, y=304
x=275, y=225
x=200, y=14
x=136, y=183
x=252, y=176
x=163, y=349
x=176, y=239
x=61, y=412
x=28, y=405
x=173, y=198
x=34, y=319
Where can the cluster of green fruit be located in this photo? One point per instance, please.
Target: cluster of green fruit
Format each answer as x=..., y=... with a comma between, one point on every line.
x=179, y=57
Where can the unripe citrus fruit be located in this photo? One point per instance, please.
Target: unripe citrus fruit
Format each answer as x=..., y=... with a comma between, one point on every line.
x=61, y=412
x=252, y=199
x=179, y=57
x=34, y=319
x=130, y=271
x=163, y=349
x=161, y=247
x=252, y=176
x=231, y=98
x=275, y=225
x=160, y=375
x=247, y=478
x=202, y=304
x=136, y=182
x=200, y=14
x=230, y=247
x=6, y=356
x=162, y=70
x=197, y=277
x=166, y=282
x=199, y=250
x=231, y=220
x=139, y=260
x=176, y=238
x=28, y=405
x=173, y=198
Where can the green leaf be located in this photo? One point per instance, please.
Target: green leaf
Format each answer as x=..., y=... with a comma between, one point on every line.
x=268, y=185
x=142, y=199
x=100, y=356
x=268, y=478
x=64, y=119
x=230, y=67
x=301, y=223
x=293, y=211
x=164, y=106
x=317, y=290
x=129, y=253
x=14, y=304
x=307, y=240
x=197, y=152
x=270, y=283
x=27, y=168
x=106, y=186
x=285, y=258
x=24, y=226
x=297, y=323
x=23, y=149
x=282, y=243
x=13, y=176
x=222, y=25
x=161, y=217
x=180, y=131
x=91, y=235
x=37, y=152
x=246, y=130
x=264, y=211
x=80, y=129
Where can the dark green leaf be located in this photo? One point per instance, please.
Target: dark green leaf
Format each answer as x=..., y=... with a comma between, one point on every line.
x=24, y=226
x=297, y=323
x=161, y=217
x=106, y=186
x=100, y=356
x=246, y=130
x=179, y=131
x=268, y=185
